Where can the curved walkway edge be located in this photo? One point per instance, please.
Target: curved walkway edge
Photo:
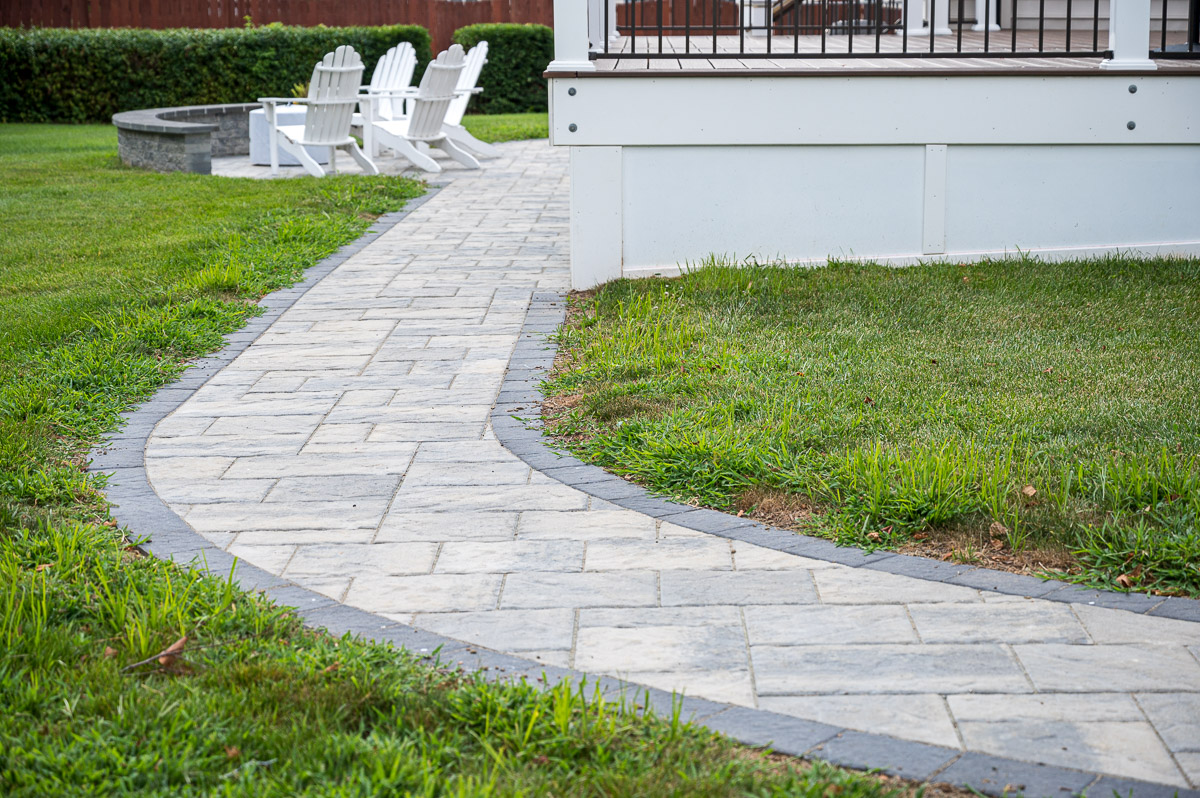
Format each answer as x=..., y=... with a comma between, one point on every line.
x=168, y=536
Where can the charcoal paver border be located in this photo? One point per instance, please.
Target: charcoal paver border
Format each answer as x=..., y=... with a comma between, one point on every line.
x=520, y=434
x=161, y=533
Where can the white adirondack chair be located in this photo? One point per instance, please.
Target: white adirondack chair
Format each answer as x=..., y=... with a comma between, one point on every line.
x=332, y=96
x=390, y=84
x=423, y=125
x=468, y=85
x=393, y=73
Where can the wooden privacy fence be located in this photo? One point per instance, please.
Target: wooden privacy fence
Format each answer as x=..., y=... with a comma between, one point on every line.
x=440, y=17
x=640, y=17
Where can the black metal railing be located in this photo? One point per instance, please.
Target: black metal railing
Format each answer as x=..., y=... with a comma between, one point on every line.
x=1178, y=35
x=745, y=29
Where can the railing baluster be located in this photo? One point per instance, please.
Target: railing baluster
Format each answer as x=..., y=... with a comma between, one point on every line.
x=987, y=25
x=852, y=22
x=1193, y=26
x=1069, y=25
x=687, y=26
x=717, y=16
x=1014, y=24
x=795, y=26
x=1041, y=25
x=742, y=26
x=607, y=23
x=960, y=24
x=1095, y=26
x=660, y=27
x=932, y=23
x=769, y=21
x=824, y=23
x=878, y=23
x=631, y=12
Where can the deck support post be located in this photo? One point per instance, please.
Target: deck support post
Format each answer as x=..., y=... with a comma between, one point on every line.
x=571, y=37
x=597, y=225
x=1129, y=35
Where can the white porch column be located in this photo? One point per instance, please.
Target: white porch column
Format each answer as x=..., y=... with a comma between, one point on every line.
x=985, y=18
x=914, y=12
x=596, y=32
x=613, y=33
x=943, y=17
x=756, y=16
x=571, y=37
x=1129, y=35
x=918, y=23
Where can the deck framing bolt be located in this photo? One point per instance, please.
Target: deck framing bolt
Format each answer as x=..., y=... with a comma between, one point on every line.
x=1132, y=88
x=571, y=91
x=573, y=127
x=1131, y=125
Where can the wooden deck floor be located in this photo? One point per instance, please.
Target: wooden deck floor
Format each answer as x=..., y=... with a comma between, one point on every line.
x=811, y=53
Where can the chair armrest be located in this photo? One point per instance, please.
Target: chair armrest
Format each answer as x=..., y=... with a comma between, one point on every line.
x=408, y=91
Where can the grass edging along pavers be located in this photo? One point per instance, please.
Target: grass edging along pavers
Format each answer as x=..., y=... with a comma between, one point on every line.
x=139, y=509
x=533, y=360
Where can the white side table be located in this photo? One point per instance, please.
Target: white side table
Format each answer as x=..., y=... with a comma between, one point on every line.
x=260, y=142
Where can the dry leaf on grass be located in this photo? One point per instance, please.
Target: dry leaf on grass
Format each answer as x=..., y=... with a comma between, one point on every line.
x=1029, y=490
x=1125, y=581
x=171, y=652
x=109, y=652
x=997, y=530
x=44, y=566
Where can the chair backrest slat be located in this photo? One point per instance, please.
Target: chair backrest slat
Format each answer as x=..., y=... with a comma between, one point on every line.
x=435, y=94
x=468, y=79
x=333, y=95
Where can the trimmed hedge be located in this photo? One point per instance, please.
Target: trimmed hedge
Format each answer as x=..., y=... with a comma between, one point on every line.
x=517, y=56
x=87, y=75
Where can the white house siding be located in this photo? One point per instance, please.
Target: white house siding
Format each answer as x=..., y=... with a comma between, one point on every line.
x=866, y=167
x=1082, y=14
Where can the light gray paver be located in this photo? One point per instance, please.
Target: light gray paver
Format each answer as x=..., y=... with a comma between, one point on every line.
x=350, y=448
x=467, y=557
x=1128, y=668
x=1129, y=748
x=1176, y=716
x=619, y=589
x=1013, y=622
x=784, y=625
x=358, y=559
x=509, y=630
x=923, y=718
x=886, y=668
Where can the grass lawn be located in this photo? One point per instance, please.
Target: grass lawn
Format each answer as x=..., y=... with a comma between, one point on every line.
x=1020, y=414
x=507, y=127
x=111, y=278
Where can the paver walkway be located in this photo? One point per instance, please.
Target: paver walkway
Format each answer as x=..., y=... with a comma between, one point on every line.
x=349, y=450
